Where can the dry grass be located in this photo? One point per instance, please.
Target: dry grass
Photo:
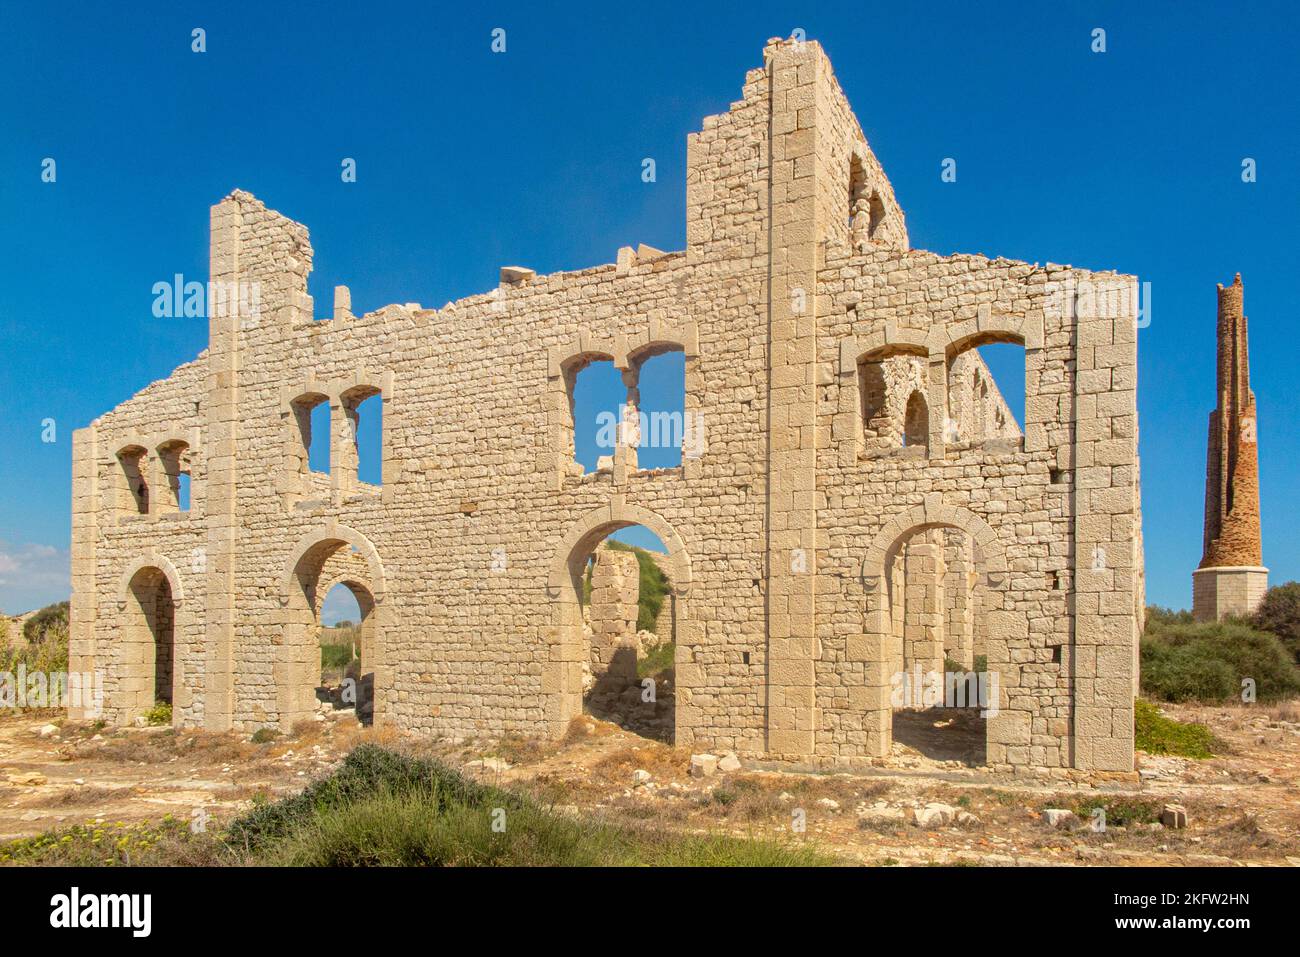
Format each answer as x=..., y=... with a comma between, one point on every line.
x=162, y=746
x=660, y=760
x=240, y=792
x=745, y=797
x=518, y=749
x=843, y=788
x=1288, y=711
x=1243, y=837
x=78, y=797
x=550, y=789
x=757, y=796
x=584, y=727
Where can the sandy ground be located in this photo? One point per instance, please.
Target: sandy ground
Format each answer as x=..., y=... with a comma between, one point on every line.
x=1243, y=807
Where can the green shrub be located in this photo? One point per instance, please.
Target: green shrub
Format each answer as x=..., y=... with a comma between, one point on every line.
x=367, y=770
x=265, y=735
x=336, y=656
x=386, y=809
x=1120, y=811
x=1155, y=733
x=1279, y=614
x=1208, y=661
x=49, y=618
x=48, y=654
x=160, y=713
x=388, y=830
x=1186, y=673
x=657, y=660
x=1158, y=616
x=168, y=843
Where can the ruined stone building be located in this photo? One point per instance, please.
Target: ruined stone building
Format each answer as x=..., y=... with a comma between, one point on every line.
x=860, y=501
x=1231, y=579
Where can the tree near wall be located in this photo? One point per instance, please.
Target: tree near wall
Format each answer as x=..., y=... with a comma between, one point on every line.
x=1279, y=613
x=49, y=618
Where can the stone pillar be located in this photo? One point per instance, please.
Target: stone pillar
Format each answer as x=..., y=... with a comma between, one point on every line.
x=344, y=458
x=1104, y=515
x=264, y=259
x=959, y=640
x=797, y=73
x=221, y=444
x=83, y=611
x=629, y=430
x=615, y=591
x=926, y=611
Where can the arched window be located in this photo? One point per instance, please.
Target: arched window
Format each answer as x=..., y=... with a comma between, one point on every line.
x=309, y=447
x=634, y=414
x=866, y=208
x=133, y=497
x=916, y=420
x=875, y=214
x=362, y=452
x=597, y=395
x=887, y=380
x=175, y=493
x=986, y=389
x=859, y=204
x=656, y=396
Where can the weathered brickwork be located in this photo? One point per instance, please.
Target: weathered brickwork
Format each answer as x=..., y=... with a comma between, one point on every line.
x=1231, y=579
x=790, y=525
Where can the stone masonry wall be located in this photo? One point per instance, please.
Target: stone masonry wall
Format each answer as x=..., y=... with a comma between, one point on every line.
x=781, y=527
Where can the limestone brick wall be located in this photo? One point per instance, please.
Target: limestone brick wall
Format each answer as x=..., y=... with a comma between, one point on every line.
x=781, y=533
x=112, y=540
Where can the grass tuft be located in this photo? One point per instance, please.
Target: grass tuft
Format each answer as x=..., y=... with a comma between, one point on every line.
x=1155, y=733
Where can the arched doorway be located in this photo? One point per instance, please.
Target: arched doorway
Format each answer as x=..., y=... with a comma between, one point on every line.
x=893, y=648
x=346, y=631
x=629, y=626
x=147, y=659
x=336, y=555
x=566, y=676
x=938, y=673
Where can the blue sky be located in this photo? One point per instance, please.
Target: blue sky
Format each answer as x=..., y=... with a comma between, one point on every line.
x=468, y=160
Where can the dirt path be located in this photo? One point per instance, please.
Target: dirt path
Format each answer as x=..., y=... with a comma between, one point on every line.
x=55, y=773
x=1242, y=807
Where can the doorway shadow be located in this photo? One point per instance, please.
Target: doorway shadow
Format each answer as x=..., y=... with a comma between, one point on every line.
x=944, y=734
